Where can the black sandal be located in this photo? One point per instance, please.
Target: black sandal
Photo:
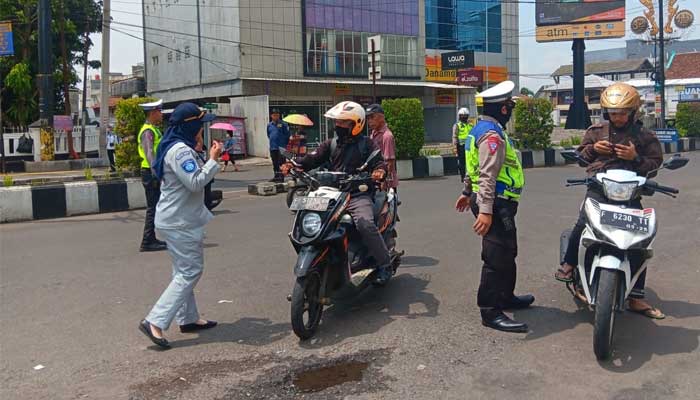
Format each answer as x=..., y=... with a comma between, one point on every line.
x=145, y=328
x=563, y=276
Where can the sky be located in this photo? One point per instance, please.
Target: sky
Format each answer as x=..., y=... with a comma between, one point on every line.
x=539, y=59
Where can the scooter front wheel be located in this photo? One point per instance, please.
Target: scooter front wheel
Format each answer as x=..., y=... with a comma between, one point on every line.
x=306, y=306
x=605, y=310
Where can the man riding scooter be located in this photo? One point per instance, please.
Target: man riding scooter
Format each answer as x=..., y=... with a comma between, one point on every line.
x=346, y=153
x=618, y=143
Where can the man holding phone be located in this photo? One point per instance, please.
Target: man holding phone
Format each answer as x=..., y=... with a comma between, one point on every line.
x=620, y=142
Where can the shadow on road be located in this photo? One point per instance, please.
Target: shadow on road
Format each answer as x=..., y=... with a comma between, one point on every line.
x=418, y=261
x=247, y=331
x=404, y=297
x=637, y=338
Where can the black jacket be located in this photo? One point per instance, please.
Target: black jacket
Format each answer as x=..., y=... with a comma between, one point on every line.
x=348, y=156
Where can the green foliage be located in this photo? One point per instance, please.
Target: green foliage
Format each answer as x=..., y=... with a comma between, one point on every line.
x=130, y=117
x=527, y=92
x=88, y=173
x=405, y=119
x=688, y=119
x=430, y=152
x=19, y=85
x=72, y=17
x=576, y=140
x=565, y=143
x=8, y=181
x=533, y=124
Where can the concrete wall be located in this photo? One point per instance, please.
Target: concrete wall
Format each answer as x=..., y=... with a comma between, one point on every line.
x=174, y=70
x=255, y=109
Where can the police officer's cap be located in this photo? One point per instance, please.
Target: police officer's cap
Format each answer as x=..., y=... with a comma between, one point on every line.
x=374, y=109
x=188, y=112
x=154, y=105
x=499, y=93
x=275, y=111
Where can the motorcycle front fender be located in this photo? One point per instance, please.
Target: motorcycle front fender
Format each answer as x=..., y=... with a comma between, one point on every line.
x=305, y=260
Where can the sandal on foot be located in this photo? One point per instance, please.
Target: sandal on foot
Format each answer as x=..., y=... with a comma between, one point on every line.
x=650, y=312
x=562, y=276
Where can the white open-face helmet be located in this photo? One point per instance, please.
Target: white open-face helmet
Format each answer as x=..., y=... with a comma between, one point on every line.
x=349, y=111
x=463, y=111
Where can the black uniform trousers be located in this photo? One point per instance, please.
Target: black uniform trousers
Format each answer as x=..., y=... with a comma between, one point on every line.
x=571, y=255
x=277, y=161
x=499, y=248
x=461, y=161
x=152, y=188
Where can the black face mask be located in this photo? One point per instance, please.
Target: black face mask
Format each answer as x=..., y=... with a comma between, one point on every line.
x=341, y=132
x=464, y=119
x=503, y=119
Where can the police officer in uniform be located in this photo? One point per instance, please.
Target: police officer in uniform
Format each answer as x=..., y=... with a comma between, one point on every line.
x=181, y=218
x=148, y=140
x=492, y=189
x=460, y=131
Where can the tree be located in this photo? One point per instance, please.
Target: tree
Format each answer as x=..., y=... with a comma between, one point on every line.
x=688, y=119
x=82, y=16
x=19, y=86
x=405, y=119
x=527, y=92
x=130, y=117
x=533, y=123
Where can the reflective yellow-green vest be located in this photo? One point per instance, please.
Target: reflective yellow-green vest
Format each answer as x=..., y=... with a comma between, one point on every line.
x=156, y=141
x=510, y=180
x=463, y=130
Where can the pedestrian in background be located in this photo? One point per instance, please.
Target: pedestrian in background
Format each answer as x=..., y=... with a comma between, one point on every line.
x=112, y=141
x=229, y=152
x=383, y=138
x=180, y=218
x=460, y=131
x=278, y=135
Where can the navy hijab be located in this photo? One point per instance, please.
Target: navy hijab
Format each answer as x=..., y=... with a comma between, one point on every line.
x=184, y=124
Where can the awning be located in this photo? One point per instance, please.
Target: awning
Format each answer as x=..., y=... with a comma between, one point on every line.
x=434, y=85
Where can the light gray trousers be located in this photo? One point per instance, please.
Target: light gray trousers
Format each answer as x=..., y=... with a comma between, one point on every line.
x=186, y=249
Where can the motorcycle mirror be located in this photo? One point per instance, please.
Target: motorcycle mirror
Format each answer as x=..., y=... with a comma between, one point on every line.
x=675, y=162
x=371, y=158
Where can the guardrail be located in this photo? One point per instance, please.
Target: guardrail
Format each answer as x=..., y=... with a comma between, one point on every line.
x=11, y=138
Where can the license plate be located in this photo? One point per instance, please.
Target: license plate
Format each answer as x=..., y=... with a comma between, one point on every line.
x=625, y=221
x=310, y=203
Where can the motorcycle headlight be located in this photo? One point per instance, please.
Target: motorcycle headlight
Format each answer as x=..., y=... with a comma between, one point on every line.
x=619, y=191
x=311, y=224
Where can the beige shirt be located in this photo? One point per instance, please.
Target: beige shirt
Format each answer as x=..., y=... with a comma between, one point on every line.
x=492, y=154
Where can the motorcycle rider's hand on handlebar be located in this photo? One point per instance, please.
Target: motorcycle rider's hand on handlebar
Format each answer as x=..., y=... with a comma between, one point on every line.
x=378, y=175
x=286, y=167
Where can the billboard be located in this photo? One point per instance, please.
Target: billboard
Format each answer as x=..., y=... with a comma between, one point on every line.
x=557, y=12
x=603, y=30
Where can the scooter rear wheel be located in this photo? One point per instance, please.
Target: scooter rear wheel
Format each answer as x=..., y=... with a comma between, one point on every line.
x=306, y=306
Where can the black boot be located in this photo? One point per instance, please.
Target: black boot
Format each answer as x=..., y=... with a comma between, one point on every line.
x=153, y=246
x=519, y=302
x=495, y=319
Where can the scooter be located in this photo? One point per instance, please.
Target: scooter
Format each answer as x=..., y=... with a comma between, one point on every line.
x=333, y=264
x=615, y=235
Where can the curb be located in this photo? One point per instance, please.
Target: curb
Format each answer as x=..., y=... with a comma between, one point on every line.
x=26, y=203
x=269, y=188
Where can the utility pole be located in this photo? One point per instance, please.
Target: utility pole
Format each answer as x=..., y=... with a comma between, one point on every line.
x=45, y=81
x=662, y=67
x=84, y=113
x=105, y=90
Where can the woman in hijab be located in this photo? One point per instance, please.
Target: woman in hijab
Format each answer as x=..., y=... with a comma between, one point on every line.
x=180, y=219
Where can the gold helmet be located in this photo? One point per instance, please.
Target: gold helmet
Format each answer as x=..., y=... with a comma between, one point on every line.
x=620, y=96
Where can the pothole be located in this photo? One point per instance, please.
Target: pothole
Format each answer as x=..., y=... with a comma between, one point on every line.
x=321, y=378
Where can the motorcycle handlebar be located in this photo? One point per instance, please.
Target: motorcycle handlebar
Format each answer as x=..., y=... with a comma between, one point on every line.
x=660, y=188
x=576, y=181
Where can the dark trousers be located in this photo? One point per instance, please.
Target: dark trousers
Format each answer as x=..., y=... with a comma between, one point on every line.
x=152, y=188
x=461, y=162
x=276, y=162
x=571, y=256
x=361, y=210
x=110, y=156
x=499, y=248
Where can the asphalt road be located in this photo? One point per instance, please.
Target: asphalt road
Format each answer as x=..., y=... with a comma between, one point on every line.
x=72, y=292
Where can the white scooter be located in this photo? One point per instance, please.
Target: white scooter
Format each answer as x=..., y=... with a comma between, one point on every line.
x=614, y=234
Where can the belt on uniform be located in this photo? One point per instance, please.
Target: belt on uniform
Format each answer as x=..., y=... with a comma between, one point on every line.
x=508, y=198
